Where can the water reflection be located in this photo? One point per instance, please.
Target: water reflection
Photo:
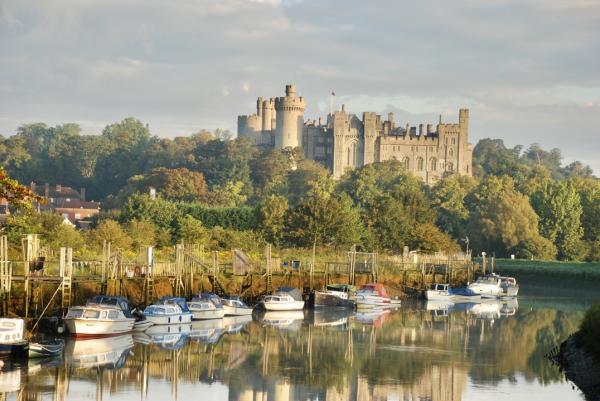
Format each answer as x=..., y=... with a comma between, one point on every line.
x=424, y=351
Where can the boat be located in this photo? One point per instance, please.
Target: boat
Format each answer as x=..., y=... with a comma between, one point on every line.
x=206, y=306
x=283, y=319
x=374, y=295
x=487, y=286
x=234, y=306
x=438, y=292
x=12, y=340
x=101, y=316
x=464, y=294
x=99, y=352
x=168, y=310
x=338, y=295
x=234, y=324
x=142, y=325
x=174, y=328
x=509, y=286
x=207, y=331
x=284, y=299
x=46, y=349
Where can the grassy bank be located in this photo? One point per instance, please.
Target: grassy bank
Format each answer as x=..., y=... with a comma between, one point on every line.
x=567, y=270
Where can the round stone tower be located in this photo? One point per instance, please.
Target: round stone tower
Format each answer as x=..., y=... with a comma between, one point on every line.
x=289, y=111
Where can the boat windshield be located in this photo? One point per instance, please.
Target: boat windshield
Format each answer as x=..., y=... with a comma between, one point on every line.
x=74, y=314
x=91, y=314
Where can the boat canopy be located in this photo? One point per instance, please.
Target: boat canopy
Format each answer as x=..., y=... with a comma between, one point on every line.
x=292, y=292
x=209, y=296
x=106, y=300
x=341, y=287
x=375, y=287
x=174, y=300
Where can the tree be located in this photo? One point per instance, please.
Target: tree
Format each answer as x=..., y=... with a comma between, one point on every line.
x=324, y=221
x=110, y=231
x=559, y=209
x=190, y=230
x=178, y=184
x=162, y=213
x=448, y=199
x=272, y=218
x=16, y=194
x=142, y=233
x=308, y=179
x=503, y=221
x=589, y=192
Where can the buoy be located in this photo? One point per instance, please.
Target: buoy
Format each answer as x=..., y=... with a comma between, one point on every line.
x=60, y=329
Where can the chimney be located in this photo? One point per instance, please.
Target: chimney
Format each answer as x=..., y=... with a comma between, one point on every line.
x=47, y=190
x=420, y=129
x=390, y=117
x=82, y=194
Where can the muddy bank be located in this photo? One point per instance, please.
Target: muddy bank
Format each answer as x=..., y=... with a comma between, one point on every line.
x=579, y=367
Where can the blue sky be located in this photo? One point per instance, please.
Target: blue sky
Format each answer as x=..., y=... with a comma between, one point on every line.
x=529, y=70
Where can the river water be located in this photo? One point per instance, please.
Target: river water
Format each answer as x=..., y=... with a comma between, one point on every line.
x=422, y=351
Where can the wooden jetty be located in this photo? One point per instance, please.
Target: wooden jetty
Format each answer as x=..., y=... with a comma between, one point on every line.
x=43, y=284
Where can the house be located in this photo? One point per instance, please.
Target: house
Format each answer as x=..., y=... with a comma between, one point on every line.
x=76, y=210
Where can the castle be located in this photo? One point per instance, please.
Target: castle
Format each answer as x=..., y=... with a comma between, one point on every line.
x=345, y=142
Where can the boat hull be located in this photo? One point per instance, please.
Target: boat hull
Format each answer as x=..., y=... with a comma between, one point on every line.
x=98, y=328
x=178, y=318
x=208, y=314
x=434, y=295
x=283, y=306
x=235, y=311
x=40, y=350
x=322, y=299
x=18, y=349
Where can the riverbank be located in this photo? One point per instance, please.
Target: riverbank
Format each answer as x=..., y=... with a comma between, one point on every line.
x=564, y=270
x=580, y=367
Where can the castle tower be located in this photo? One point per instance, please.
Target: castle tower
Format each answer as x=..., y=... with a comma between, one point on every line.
x=289, y=112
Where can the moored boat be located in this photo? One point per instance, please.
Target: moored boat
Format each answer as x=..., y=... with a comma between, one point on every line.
x=234, y=306
x=46, y=349
x=206, y=306
x=509, y=286
x=487, y=286
x=168, y=310
x=374, y=295
x=101, y=316
x=464, y=294
x=12, y=340
x=284, y=299
x=438, y=292
x=338, y=295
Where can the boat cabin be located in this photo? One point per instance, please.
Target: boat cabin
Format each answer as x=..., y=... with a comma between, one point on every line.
x=11, y=330
x=375, y=288
x=95, y=312
x=439, y=287
x=167, y=309
x=170, y=301
x=278, y=298
x=118, y=302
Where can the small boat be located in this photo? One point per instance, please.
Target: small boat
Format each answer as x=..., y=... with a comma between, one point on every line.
x=12, y=341
x=509, y=286
x=206, y=306
x=234, y=306
x=487, y=286
x=101, y=316
x=338, y=295
x=142, y=325
x=46, y=349
x=374, y=295
x=438, y=292
x=168, y=310
x=284, y=299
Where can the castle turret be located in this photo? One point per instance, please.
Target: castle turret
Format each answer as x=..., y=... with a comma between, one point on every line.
x=290, y=119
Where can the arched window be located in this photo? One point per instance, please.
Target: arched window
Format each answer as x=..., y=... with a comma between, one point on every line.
x=449, y=166
x=420, y=164
x=406, y=162
x=348, y=158
x=354, y=154
x=433, y=164
x=451, y=152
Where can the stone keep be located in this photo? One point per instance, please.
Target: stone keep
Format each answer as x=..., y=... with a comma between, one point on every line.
x=290, y=119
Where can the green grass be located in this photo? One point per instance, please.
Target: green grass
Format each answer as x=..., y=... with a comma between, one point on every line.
x=576, y=270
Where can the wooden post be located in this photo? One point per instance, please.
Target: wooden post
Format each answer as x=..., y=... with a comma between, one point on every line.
x=312, y=267
x=269, y=268
x=483, y=262
x=5, y=275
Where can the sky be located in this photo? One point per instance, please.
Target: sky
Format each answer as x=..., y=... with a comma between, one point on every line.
x=528, y=70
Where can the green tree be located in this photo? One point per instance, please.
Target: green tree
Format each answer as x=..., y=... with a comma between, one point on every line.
x=162, y=213
x=190, y=230
x=589, y=192
x=110, y=231
x=142, y=233
x=558, y=206
x=272, y=218
x=308, y=179
x=448, y=199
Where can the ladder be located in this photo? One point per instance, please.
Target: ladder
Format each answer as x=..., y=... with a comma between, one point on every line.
x=149, y=293
x=66, y=272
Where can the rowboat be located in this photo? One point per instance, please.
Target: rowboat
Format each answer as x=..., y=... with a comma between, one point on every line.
x=46, y=349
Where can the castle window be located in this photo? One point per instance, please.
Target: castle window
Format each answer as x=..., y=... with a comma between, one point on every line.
x=450, y=152
x=433, y=163
x=354, y=154
x=406, y=162
x=348, y=159
x=420, y=164
x=449, y=166
x=453, y=141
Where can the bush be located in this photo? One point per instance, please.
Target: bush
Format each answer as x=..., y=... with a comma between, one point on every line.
x=589, y=331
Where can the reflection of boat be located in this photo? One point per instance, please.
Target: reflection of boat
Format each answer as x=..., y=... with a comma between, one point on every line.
x=282, y=319
x=338, y=295
x=142, y=325
x=509, y=307
x=46, y=349
x=234, y=306
x=99, y=352
x=101, y=316
x=168, y=310
x=234, y=324
x=284, y=299
x=374, y=295
x=438, y=292
x=329, y=317
x=164, y=329
x=486, y=310
x=439, y=305
x=509, y=286
x=372, y=316
x=10, y=381
x=165, y=341
x=12, y=340
x=207, y=331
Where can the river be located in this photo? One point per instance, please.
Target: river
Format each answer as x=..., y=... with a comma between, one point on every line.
x=422, y=351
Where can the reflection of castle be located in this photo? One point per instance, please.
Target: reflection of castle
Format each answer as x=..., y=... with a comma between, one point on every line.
x=345, y=142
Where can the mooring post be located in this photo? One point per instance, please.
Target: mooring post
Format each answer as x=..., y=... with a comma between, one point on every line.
x=269, y=268
x=5, y=275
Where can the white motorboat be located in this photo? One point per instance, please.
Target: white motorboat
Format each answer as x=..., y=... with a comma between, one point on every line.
x=206, y=306
x=438, y=292
x=281, y=302
x=487, y=286
x=12, y=339
x=168, y=310
x=99, y=352
x=339, y=295
x=234, y=306
x=374, y=295
x=101, y=316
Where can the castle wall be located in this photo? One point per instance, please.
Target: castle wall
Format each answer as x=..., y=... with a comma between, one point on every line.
x=290, y=119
